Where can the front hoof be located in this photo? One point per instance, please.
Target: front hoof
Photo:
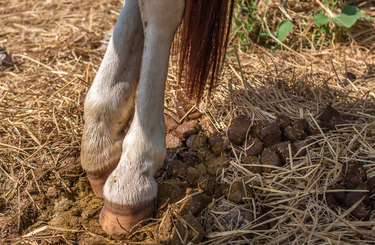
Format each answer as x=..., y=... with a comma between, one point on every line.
x=97, y=181
x=116, y=219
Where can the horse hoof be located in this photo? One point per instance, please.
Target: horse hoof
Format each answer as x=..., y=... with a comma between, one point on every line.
x=116, y=219
x=97, y=181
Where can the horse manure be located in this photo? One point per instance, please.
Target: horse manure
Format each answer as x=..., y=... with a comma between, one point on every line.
x=237, y=191
x=283, y=121
x=253, y=147
x=270, y=157
x=271, y=134
x=251, y=160
x=238, y=129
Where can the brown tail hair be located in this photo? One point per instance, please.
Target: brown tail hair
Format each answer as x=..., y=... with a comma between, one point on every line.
x=201, y=43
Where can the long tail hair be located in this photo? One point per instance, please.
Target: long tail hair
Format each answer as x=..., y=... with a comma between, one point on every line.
x=201, y=43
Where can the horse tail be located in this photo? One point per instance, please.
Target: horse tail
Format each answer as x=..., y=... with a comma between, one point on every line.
x=201, y=43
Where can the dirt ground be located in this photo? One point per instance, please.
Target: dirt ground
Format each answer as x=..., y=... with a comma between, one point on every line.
x=207, y=195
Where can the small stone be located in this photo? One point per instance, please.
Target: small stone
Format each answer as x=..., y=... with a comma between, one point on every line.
x=238, y=129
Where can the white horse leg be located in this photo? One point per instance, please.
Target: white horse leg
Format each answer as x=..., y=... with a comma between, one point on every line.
x=131, y=189
x=110, y=101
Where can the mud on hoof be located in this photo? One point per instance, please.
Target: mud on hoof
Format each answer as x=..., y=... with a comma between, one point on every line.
x=117, y=219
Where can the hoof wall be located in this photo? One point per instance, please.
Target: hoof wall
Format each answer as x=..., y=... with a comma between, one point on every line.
x=97, y=181
x=116, y=219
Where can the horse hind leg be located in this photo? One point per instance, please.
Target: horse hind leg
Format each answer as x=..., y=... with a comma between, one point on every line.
x=130, y=190
x=109, y=103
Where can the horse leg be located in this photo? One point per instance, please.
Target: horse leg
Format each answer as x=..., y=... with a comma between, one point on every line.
x=130, y=190
x=109, y=103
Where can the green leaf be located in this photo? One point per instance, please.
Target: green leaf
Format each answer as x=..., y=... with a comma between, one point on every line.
x=347, y=18
x=349, y=15
x=320, y=19
x=368, y=18
x=266, y=2
x=351, y=10
x=285, y=27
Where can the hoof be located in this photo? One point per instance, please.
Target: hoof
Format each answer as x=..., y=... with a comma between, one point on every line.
x=116, y=219
x=97, y=180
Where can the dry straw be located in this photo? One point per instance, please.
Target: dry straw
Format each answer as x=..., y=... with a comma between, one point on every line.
x=54, y=45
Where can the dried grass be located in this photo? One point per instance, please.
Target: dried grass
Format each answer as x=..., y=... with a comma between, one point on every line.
x=54, y=48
